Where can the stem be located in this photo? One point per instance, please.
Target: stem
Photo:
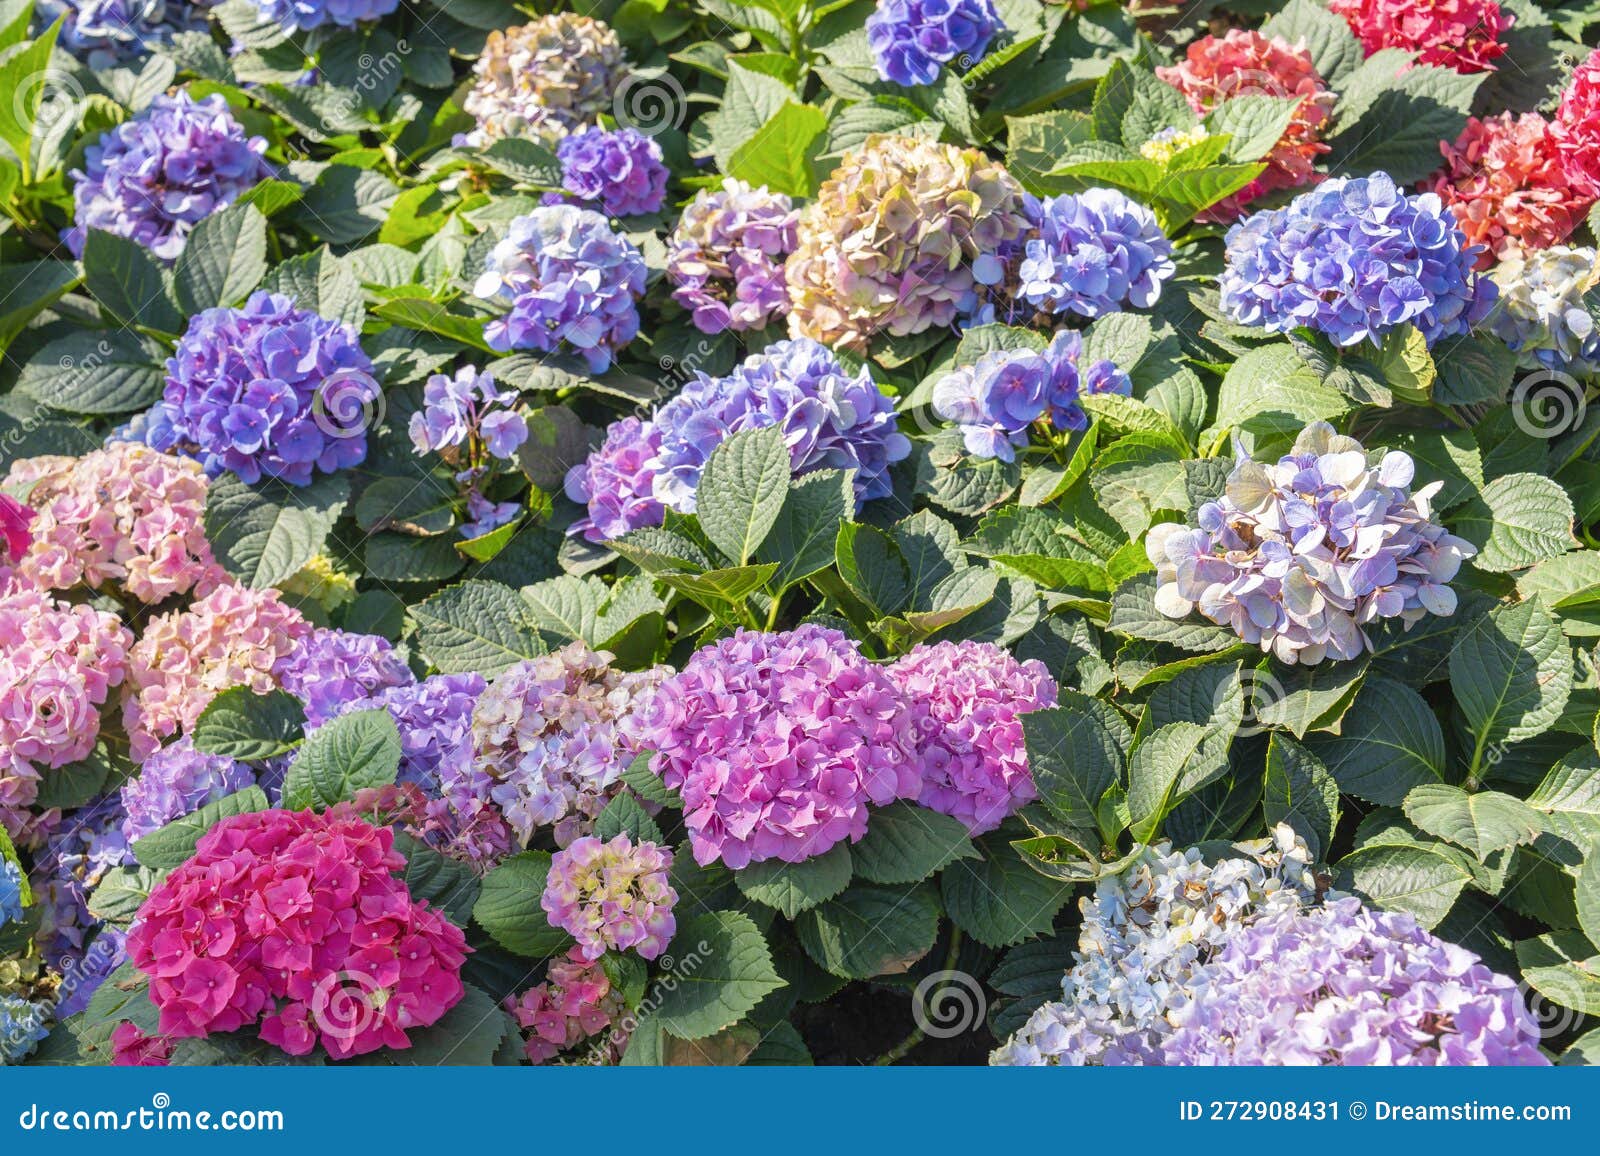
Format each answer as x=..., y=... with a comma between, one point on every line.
x=899, y=1052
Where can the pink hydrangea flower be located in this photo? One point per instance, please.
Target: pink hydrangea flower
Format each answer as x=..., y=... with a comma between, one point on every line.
x=131, y=1048
x=575, y=1002
x=231, y=637
x=124, y=515
x=16, y=533
x=612, y=896
x=967, y=699
x=778, y=742
x=1576, y=127
x=296, y=922
x=1465, y=35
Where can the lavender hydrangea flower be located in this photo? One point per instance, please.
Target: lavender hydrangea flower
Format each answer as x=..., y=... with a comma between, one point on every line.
x=434, y=718
x=912, y=40
x=72, y=864
x=570, y=281
x=621, y=171
x=995, y=400
x=112, y=33
x=1091, y=253
x=1344, y=985
x=831, y=419
x=10, y=891
x=468, y=409
x=617, y=482
x=267, y=390
x=177, y=781
x=309, y=14
x=1541, y=312
x=1299, y=557
x=726, y=257
x=1354, y=258
x=335, y=667
x=486, y=516
x=155, y=177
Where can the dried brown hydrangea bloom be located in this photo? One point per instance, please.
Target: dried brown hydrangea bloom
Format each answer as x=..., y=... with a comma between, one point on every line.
x=545, y=78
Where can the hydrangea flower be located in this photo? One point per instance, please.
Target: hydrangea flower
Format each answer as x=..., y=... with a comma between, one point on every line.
x=1506, y=183
x=612, y=896
x=889, y=242
x=725, y=258
x=549, y=742
x=176, y=781
x=23, y=1026
x=1300, y=556
x=620, y=172
x=912, y=40
x=16, y=531
x=330, y=668
x=321, y=581
x=1354, y=258
x=467, y=410
x=340, y=954
x=1000, y=396
x=478, y=836
x=131, y=1048
x=74, y=861
x=155, y=177
x=1466, y=35
x=1169, y=142
x=115, y=33
x=1576, y=127
x=1244, y=62
x=570, y=280
x=831, y=419
x=267, y=390
x=231, y=637
x=778, y=742
x=545, y=78
x=576, y=1002
x=125, y=516
x=434, y=718
x=1091, y=253
x=617, y=482
x=10, y=891
x=1541, y=313
x=1345, y=985
x=308, y=14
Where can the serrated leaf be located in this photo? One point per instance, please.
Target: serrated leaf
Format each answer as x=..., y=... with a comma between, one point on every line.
x=997, y=898
x=241, y=724
x=1511, y=674
x=1481, y=821
x=173, y=844
x=1156, y=766
x=347, y=754
x=1390, y=742
x=871, y=930
x=742, y=491
x=508, y=907
x=796, y=887
x=1416, y=879
x=802, y=536
x=265, y=534
x=1519, y=520
x=1074, y=758
x=223, y=259
x=733, y=972
x=1300, y=791
x=906, y=843
x=475, y=626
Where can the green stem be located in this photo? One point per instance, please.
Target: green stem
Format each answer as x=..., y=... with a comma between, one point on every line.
x=899, y=1052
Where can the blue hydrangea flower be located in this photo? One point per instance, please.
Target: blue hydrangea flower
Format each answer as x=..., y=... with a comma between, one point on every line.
x=10, y=892
x=22, y=1026
x=309, y=14
x=267, y=390
x=912, y=40
x=1354, y=258
x=72, y=864
x=177, y=781
x=465, y=409
x=996, y=399
x=621, y=172
x=112, y=33
x=434, y=717
x=831, y=418
x=334, y=667
x=154, y=178
x=1091, y=253
x=570, y=280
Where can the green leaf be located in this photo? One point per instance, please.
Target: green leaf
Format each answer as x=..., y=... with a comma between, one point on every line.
x=432, y=317
x=796, y=887
x=1399, y=131
x=1511, y=674
x=1483, y=821
x=247, y=726
x=1562, y=968
x=1075, y=759
x=475, y=626
x=1334, y=49
x=647, y=784
x=871, y=565
x=322, y=283
x=871, y=930
x=733, y=585
x=997, y=898
x=1134, y=614
x=174, y=844
x=468, y=1035
x=22, y=77
x=802, y=537
x=450, y=885
x=783, y=152
x=223, y=259
x=129, y=283
x=348, y=754
x=95, y=372
x=1389, y=742
x=906, y=843
x=732, y=972
x=1156, y=767
x=1415, y=878
x=265, y=534
x=742, y=491
x=1588, y=896
x=1520, y=519
x=1255, y=121
x=624, y=815
x=120, y=895
x=1298, y=790
x=566, y=607
x=508, y=907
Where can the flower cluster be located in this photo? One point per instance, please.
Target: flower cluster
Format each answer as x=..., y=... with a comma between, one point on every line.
x=295, y=920
x=612, y=896
x=231, y=637
x=778, y=742
x=1466, y=35
x=111, y=33
x=153, y=178
x=73, y=862
x=434, y=718
x=967, y=699
x=1344, y=985
x=1244, y=62
x=124, y=515
x=570, y=280
x=889, y=242
x=617, y=482
x=549, y=740
x=328, y=669
x=1167, y=144
x=725, y=258
x=467, y=411
x=575, y=1002
x=620, y=172
x=1090, y=253
x=831, y=419
x=1508, y=186
x=545, y=78
x=131, y=1048
x=912, y=40
x=308, y=14
x=1542, y=313
x=1576, y=126
x=176, y=781
x=267, y=390
x=23, y=1026
x=1300, y=556
x=1354, y=258
x=996, y=399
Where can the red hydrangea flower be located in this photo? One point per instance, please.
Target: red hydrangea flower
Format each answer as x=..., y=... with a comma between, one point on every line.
x=295, y=921
x=1461, y=34
x=1576, y=127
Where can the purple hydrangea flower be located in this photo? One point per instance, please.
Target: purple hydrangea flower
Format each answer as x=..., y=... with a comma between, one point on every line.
x=1353, y=258
x=1299, y=557
x=996, y=399
x=111, y=33
x=1345, y=985
x=912, y=40
x=464, y=409
x=831, y=419
x=176, y=781
x=727, y=254
x=617, y=482
x=10, y=892
x=621, y=171
x=570, y=281
x=155, y=177
x=612, y=896
x=1091, y=253
x=72, y=864
x=434, y=718
x=335, y=667
x=309, y=14
x=486, y=516
x=82, y=975
x=266, y=390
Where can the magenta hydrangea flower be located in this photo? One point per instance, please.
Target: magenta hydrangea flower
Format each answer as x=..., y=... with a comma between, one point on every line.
x=778, y=742
x=575, y=1003
x=619, y=172
x=176, y=781
x=612, y=896
x=131, y=1048
x=725, y=258
x=967, y=700
x=617, y=482
x=330, y=668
